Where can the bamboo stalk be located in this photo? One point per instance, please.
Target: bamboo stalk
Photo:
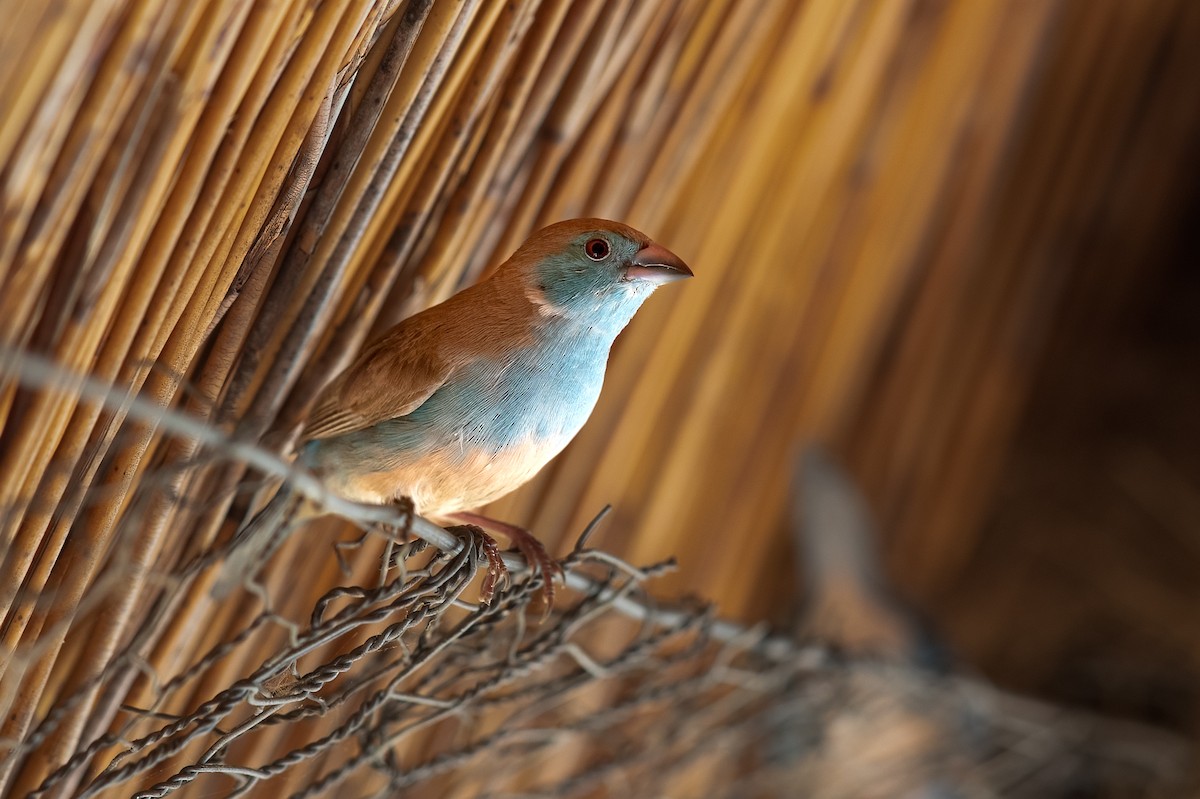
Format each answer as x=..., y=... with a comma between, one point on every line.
x=890, y=207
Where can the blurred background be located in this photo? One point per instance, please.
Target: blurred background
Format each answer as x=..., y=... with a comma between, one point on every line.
x=951, y=240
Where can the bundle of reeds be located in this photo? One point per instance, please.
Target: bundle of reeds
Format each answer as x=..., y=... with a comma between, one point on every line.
x=210, y=206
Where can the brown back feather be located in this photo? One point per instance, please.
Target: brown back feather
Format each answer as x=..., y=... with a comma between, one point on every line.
x=393, y=376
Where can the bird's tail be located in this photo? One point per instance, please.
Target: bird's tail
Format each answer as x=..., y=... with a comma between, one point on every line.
x=256, y=540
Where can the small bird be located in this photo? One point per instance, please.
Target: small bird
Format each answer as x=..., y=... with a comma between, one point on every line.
x=465, y=401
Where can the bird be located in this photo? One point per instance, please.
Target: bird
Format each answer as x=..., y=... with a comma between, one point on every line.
x=467, y=400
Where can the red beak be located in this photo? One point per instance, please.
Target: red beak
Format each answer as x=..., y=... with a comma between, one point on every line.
x=658, y=265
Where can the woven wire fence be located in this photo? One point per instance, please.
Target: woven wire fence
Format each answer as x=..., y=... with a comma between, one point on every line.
x=399, y=682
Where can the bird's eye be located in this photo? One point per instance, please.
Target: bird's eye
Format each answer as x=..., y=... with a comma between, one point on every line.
x=597, y=249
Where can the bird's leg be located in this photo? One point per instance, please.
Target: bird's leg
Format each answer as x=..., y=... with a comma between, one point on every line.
x=497, y=572
x=535, y=554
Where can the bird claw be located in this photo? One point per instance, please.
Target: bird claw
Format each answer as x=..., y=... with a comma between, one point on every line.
x=535, y=554
x=403, y=531
x=497, y=575
x=539, y=561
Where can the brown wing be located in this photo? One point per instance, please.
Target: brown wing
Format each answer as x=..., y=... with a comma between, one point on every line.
x=391, y=378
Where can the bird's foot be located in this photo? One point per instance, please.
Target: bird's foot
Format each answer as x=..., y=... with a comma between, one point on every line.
x=401, y=532
x=531, y=549
x=497, y=573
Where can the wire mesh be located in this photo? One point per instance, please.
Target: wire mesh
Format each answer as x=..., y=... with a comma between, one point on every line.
x=397, y=681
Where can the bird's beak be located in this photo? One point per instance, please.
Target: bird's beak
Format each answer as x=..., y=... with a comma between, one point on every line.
x=657, y=264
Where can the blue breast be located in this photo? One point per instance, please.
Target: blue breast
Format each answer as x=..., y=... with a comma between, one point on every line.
x=544, y=392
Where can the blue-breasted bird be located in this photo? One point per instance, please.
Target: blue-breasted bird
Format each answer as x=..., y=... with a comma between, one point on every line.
x=462, y=403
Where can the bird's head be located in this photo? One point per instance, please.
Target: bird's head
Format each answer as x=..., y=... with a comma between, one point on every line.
x=593, y=271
